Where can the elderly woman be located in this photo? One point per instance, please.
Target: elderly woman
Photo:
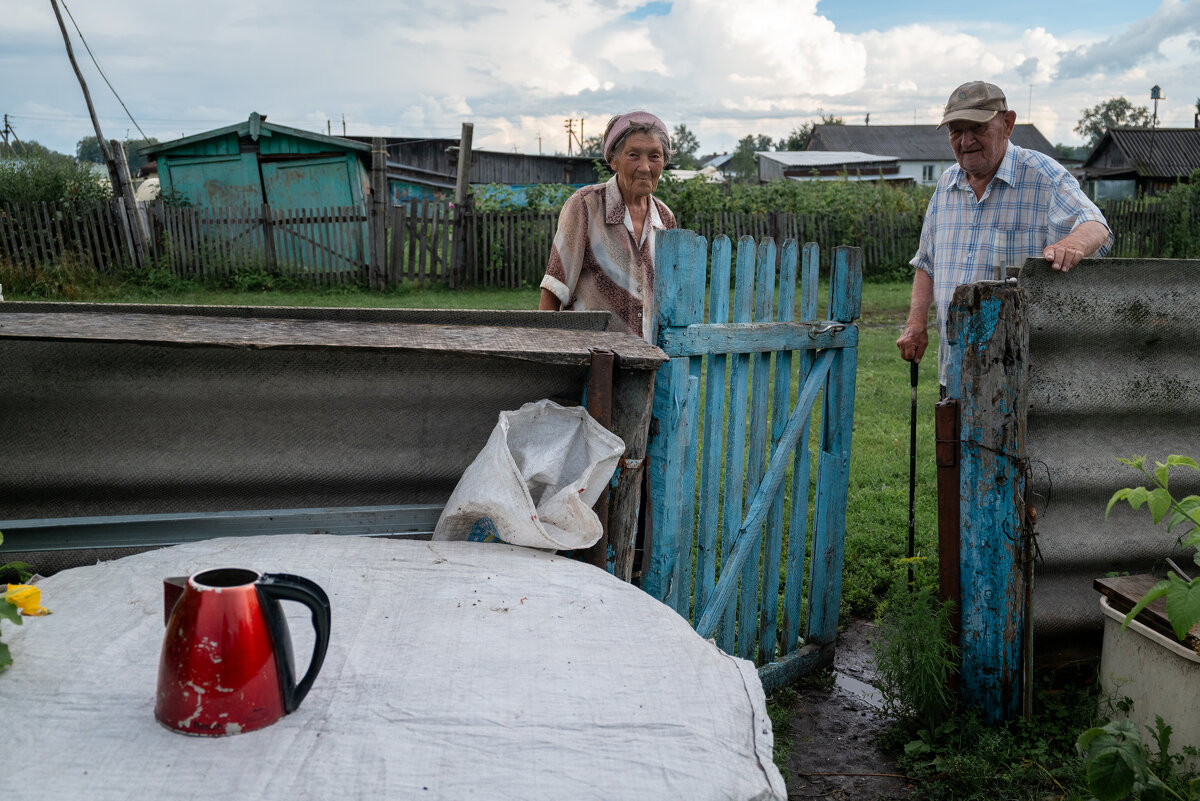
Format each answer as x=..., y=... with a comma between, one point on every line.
x=603, y=252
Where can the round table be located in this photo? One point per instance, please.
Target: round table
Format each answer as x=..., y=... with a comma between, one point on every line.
x=455, y=670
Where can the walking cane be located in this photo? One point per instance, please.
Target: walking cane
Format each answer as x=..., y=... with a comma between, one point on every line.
x=912, y=472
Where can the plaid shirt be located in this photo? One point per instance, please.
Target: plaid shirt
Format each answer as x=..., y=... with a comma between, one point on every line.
x=1030, y=203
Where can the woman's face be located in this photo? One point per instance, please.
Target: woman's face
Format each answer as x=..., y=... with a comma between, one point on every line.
x=638, y=165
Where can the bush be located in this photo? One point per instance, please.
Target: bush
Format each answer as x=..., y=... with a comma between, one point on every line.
x=50, y=177
x=1183, y=220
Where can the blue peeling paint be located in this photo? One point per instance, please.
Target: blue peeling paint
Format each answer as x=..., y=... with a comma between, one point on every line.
x=983, y=325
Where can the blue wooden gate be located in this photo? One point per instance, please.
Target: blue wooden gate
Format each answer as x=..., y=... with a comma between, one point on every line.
x=731, y=547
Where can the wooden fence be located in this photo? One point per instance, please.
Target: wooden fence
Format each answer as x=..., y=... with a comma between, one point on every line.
x=1140, y=227
x=501, y=249
x=33, y=234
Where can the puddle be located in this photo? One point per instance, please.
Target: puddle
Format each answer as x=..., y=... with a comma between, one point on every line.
x=858, y=689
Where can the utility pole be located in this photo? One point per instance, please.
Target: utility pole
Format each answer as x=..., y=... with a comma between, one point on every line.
x=104, y=151
x=539, y=143
x=343, y=124
x=8, y=130
x=329, y=127
x=118, y=171
x=570, y=126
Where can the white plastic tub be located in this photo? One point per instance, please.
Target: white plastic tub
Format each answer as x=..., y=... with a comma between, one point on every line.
x=1160, y=676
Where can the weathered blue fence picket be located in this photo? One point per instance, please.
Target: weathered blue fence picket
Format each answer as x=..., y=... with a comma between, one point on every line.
x=988, y=374
x=723, y=525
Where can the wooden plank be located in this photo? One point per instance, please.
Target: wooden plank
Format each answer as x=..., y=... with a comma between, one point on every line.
x=7, y=250
x=1124, y=592
x=736, y=434
x=53, y=244
x=744, y=539
x=565, y=347
x=833, y=464
x=780, y=406
x=62, y=246
x=680, y=258
x=756, y=337
x=793, y=591
x=446, y=274
x=37, y=233
x=748, y=633
x=714, y=425
x=986, y=326
x=633, y=397
x=28, y=239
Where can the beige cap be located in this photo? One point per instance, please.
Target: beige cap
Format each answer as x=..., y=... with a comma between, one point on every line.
x=974, y=101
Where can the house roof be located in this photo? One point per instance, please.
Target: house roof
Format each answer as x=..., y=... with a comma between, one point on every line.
x=1148, y=152
x=911, y=142
x=256, y=126
x=718, y=161
x=822, y=158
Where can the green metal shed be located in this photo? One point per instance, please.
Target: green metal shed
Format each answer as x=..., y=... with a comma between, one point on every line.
x=256, y=162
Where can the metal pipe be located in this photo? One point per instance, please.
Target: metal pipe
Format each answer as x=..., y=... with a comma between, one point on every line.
x=947, y=452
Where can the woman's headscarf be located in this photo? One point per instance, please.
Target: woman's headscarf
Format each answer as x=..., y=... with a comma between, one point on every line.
x=622, y=125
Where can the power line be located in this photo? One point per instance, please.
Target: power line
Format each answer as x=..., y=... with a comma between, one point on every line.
x=102, y=75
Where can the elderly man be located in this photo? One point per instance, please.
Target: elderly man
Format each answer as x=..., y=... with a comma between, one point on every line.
x=1001, y=204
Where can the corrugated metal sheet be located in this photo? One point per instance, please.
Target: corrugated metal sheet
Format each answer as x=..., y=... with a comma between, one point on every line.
x=1150, y=152
x=912, y=142
x=804, y=164
x=1114, y=372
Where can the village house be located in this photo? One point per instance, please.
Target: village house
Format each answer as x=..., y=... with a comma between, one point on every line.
x=1128, y=162
x=922, y=151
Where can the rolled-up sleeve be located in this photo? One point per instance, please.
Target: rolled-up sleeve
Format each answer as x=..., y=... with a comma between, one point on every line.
x=1069, y=207
x=567, y=251
x=924, y=258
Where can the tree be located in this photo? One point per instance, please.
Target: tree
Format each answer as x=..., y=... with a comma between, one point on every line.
x=799, y=138
x=88, y=149
x=593, y=146
x=743, y=165
x=1072, y=151
x=32, y=149
x=686, y=145
x=1116, y=112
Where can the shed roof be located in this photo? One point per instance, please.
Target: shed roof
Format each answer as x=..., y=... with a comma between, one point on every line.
x=911, y=142
x=822, y=158
x=254, y=127
x=1149, y=152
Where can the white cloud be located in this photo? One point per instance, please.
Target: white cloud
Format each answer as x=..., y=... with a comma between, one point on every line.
x=518, y=68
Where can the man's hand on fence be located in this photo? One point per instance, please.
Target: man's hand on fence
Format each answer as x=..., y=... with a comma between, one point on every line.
x=1085, y=240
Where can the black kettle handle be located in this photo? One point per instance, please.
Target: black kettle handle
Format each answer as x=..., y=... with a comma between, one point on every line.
x=288, y=587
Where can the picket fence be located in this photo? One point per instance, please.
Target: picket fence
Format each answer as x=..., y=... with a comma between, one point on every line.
x=421, y=241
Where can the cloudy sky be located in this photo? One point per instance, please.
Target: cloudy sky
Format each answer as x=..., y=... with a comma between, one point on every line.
x=518, y=69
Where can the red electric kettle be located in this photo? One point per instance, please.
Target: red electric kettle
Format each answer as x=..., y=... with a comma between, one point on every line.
x=226, y=663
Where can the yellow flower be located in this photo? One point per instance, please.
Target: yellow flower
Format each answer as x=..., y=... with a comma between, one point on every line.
x=27, y=598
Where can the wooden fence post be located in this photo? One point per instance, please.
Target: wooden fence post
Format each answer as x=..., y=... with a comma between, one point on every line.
x=268, y=228
x=989, y=340
x=679, y=265
x=833, y=464
x=378, y=220
x=462, y=194
x=134, y=231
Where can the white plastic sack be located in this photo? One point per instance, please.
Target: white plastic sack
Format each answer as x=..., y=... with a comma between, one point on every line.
x=539, y=475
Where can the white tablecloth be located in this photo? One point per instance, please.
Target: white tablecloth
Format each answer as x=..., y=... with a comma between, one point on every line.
x=454, y=671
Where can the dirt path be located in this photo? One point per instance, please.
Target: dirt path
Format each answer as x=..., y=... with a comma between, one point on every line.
x=834, y=731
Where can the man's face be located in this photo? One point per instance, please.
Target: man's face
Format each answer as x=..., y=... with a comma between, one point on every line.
x=979, y=146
